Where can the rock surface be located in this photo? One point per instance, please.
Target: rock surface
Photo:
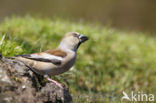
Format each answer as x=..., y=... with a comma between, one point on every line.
x=18, y=84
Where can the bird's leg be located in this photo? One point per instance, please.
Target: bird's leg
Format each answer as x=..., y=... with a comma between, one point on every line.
x=53, y=81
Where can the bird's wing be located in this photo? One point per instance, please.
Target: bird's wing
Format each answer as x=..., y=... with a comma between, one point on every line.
x=44, y=57
x=57, y=52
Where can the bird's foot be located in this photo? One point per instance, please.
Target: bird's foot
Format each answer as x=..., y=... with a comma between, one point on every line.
x=54, y=82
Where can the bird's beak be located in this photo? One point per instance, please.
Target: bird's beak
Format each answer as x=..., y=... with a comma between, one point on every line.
x=83, y=38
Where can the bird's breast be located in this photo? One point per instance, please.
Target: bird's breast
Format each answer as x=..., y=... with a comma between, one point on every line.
x=65, y=65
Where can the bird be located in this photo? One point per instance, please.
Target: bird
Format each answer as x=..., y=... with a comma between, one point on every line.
x=55, y=61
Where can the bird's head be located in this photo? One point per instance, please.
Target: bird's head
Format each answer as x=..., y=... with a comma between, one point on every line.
x=72, y=40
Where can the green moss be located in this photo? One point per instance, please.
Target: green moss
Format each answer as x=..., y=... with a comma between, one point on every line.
x=110, y=62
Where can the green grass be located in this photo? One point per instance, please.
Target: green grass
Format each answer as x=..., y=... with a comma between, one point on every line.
x=110, y=62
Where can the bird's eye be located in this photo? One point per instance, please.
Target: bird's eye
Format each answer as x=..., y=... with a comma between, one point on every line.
x=75, y=35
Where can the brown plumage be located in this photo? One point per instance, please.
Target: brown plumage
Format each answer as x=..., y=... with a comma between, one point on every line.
x=57, y=52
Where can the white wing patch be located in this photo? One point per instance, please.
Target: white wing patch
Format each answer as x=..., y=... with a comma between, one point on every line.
x=46, y=56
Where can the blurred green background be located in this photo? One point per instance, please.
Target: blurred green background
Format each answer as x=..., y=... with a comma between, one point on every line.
x=122, y=14
x=120, y=55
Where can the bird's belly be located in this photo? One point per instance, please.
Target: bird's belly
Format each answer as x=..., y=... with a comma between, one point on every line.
x=51, y=69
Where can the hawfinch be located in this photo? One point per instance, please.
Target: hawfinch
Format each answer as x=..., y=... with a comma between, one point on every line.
x=56, y=61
